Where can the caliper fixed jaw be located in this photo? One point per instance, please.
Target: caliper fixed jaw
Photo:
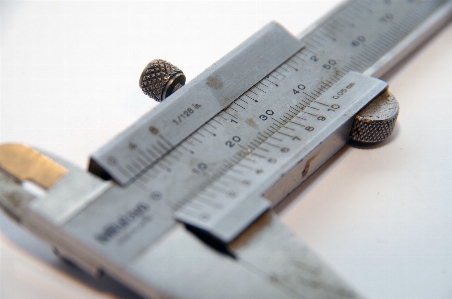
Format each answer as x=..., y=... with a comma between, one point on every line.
x=20, y=164
x=65, y=188
x=42, y=192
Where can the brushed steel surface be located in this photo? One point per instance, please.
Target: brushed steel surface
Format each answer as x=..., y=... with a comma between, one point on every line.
x=178, y=264
x=271, y=250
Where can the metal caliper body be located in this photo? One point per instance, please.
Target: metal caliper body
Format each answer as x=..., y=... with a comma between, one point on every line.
x=185, y=207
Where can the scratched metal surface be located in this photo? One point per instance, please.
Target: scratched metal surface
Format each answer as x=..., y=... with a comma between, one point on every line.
x=389, y=243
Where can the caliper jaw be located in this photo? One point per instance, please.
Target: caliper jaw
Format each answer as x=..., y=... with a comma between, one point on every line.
x=65, y=191
x=13, y=198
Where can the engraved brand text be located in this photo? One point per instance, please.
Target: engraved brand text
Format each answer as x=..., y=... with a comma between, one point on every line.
x=123, y=222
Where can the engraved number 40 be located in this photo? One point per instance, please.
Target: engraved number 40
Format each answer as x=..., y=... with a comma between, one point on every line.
x=299, y=87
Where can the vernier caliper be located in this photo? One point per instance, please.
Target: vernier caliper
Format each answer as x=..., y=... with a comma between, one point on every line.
x=187, y=190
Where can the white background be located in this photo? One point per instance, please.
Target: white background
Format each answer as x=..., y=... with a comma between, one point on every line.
x=380, y=216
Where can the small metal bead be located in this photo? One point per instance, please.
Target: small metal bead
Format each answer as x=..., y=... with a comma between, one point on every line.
x=376, y=121
x=160, y=79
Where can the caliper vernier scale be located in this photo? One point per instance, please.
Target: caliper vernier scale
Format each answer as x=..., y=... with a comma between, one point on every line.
x=253, y=127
